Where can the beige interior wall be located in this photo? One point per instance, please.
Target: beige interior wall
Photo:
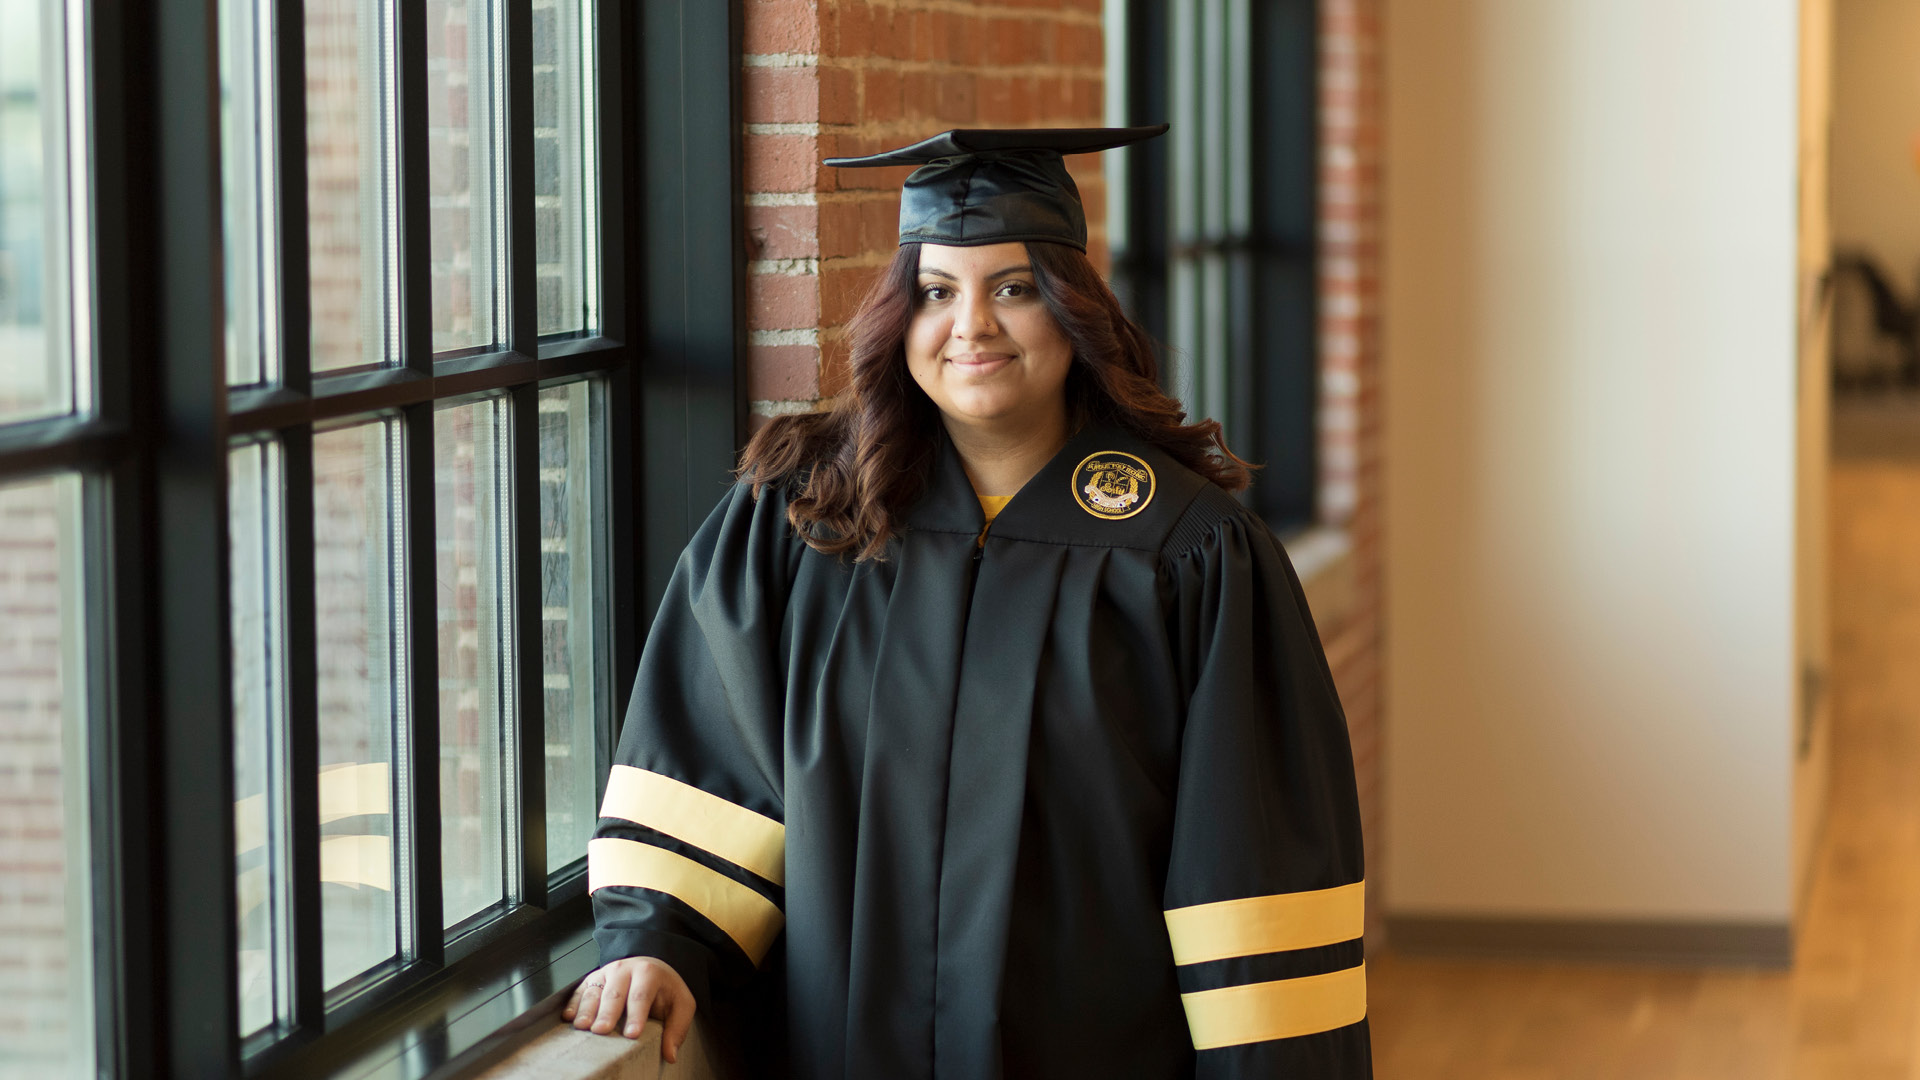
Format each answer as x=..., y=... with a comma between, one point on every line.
x=1876, y=132
x=1590, y=326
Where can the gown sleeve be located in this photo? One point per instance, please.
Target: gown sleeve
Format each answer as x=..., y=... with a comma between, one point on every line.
x=688, y=858
x=1264, y=894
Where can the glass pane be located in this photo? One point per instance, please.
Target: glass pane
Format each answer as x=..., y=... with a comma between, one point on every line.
x=464, y=128
x=36, y=345
x=351, y=178
x=569, y=618
x=360, y=623
x=247, y=187
x=471, y=478
x=46, y=936
x=565, y=166
x=260, y=813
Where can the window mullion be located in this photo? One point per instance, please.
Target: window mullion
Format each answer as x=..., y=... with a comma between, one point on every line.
x=610, y=115
x=523, y=302
x=616, y=473
x=127, y=969
x=303, y=721
x=294, y=330
x=529, y=711
x=185, y=522
x=188, y=517
x=414, y=272
x=691, y=411
x=615, y=468
x=1284, y=200
x=418, y=853
x=423, y=930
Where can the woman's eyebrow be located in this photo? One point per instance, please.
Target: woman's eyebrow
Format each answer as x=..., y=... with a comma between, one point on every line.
x=1023, y=268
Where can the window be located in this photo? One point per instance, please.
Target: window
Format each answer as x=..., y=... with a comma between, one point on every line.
x=45, y=981
x=43, y=271
x=329, y=508
x=389, y=716
x=48, y=518
x=1213, y=226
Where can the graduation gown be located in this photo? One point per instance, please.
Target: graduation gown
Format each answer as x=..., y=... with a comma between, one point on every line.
x=1077, y=801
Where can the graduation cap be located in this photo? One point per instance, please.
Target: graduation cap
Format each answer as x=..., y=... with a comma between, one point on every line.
x=977, y=186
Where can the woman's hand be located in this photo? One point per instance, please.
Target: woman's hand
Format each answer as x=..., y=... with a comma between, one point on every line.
x=640, y=987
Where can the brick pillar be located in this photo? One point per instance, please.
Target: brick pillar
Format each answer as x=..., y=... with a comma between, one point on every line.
x=1350, y=418
x=846, y=77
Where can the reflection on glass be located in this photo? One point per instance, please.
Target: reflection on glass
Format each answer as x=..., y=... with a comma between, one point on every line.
x=259, y=725
x=36, y=329
x=46, y=989
x=473, y=593
x=464, y=131
x=361, y=633
x=246, y=187
x=565, y=165
x=569, y=623
x=351, y=177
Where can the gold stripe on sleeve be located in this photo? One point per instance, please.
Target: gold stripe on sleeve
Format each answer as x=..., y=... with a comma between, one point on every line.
x=751, y=920
x=1267, y=924
x=1285, y=1009
x=747, y=839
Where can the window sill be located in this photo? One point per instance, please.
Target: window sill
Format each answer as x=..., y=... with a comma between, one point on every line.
x=561, y=1052
x=504, y=996
x=1323, y=557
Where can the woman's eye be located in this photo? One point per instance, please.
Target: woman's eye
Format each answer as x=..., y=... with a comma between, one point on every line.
x=1016, y=289
x=933, y=292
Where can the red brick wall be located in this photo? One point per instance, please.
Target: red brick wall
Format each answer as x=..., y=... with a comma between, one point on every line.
x=851, y=77
x=1350, y=128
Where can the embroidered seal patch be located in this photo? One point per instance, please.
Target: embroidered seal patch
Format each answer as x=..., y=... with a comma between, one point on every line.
x=1113, y=485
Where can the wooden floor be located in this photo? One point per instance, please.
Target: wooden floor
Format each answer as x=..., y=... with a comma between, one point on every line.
x=1850, y=1008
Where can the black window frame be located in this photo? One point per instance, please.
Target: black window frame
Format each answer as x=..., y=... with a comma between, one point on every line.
x=1270, y=397
x=154, y=455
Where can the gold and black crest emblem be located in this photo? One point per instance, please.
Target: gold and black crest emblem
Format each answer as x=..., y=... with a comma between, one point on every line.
x=1113, y=485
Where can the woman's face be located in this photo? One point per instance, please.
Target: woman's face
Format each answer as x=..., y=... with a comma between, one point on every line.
x=982, y=343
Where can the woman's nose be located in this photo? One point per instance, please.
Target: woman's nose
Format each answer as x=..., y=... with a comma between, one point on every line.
x=973, y=318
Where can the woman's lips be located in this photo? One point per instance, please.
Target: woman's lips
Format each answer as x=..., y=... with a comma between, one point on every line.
x=981, y=363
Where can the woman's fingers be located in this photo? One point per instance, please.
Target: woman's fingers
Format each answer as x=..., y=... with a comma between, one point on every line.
x=613, y=998
x=638, y=988
x=676, y=1015
x=586, y=1003
x=639, y=1003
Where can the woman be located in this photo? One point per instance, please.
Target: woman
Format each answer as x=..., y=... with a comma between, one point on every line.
x=982, y=733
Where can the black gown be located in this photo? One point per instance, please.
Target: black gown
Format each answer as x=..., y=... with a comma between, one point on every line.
x=1070, y=803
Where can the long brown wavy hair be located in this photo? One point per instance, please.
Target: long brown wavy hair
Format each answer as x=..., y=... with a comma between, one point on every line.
x=857, y=466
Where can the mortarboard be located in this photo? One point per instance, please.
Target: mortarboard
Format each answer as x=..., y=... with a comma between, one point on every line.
x=989, y=186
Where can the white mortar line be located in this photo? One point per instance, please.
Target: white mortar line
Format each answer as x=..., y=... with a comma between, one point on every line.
x=808, y=336
x=781, y=60
x=783, y=408
x=788, y=267
x=782, y=198
x=811, y=128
